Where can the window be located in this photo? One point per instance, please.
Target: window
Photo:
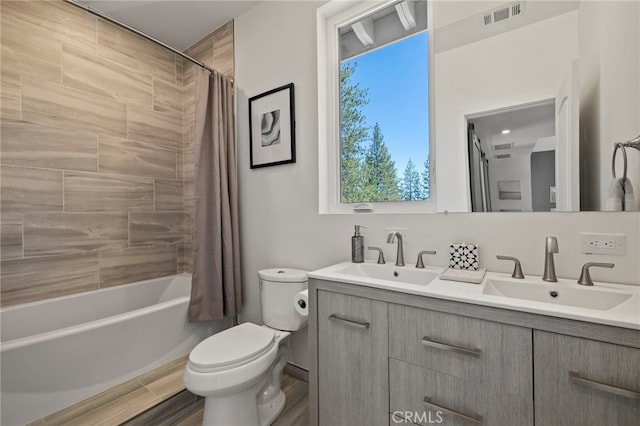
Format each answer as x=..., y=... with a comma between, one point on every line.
x=374, y=96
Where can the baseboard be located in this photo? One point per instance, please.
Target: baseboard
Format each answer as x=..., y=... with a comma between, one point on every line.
x=297, y=372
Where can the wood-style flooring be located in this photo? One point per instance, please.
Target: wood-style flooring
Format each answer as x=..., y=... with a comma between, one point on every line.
x=122, y=402
x=159, y=398
x=185, y=409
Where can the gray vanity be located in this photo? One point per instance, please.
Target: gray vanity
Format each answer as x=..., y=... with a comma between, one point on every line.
x=416, y=356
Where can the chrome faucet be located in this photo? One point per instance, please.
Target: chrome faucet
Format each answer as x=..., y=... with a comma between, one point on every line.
x=420, y=262
x=517, y=268
x=391, y=238
x=380, y=254
x=550, y=247
x=585, y=276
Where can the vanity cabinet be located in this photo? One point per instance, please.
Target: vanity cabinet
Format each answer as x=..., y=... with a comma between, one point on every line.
x=469, y=370
x=585, y=382
x=383, y=357
x=352, y=360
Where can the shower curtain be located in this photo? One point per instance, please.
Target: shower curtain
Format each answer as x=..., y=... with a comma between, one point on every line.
x=216, y=289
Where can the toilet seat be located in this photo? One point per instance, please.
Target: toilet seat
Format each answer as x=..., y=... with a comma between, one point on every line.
x=232, y=348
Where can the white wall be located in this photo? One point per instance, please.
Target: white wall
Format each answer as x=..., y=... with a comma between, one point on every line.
x=524, y=65
x=610, y=93
x=280, y=224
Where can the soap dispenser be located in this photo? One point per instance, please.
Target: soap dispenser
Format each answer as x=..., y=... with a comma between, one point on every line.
x=357, y=246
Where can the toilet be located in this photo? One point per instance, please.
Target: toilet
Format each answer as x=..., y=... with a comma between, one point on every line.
x=239, y=370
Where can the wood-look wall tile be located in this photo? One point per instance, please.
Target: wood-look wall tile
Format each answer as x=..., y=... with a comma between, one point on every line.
x=135, y=52
x=137, y=264
x=189, y=195
x=30, y=67
x=188, y=171
x=85, y=71
x=28, y=280
x=188, y=87
x=179, y=69
x=38, y=145
x=156, y=228
x=147, y=125
x=202, y=51
x=10, y=94
x=167, y=97
x=70, y=233
x=10, y=236
x=122, y=156
x=24, y=189
x=54, y=20
x=223, y=53
x=61, y=106
x=101, y=192
x=189, y=222
x=185, y=258
x=179, y=164
x=169, y=195
x=29, y=54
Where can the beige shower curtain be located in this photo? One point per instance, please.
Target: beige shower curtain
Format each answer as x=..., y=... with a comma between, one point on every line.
x=215, y=285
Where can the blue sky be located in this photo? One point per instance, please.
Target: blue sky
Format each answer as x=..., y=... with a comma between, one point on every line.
x=396, y=77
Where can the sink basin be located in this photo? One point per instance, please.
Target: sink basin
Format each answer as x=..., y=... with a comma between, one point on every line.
x=390, y=272
x=567, y=294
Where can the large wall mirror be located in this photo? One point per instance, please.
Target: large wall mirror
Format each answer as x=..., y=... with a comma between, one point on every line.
x=530, y=98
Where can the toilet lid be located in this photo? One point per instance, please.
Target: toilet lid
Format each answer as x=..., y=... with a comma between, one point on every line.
x=232, y=346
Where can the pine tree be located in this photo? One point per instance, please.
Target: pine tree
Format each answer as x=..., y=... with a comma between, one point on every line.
x=411, y=183
x=426, y=180
x=380, y=170
x=353, y=133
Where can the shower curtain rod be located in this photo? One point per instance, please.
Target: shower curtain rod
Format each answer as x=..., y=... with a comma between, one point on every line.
x=138, y=32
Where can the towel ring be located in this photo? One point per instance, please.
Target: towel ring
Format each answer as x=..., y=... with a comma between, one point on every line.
x=624, y=161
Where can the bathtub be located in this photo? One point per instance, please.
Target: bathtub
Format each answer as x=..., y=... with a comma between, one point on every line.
x=60, y=351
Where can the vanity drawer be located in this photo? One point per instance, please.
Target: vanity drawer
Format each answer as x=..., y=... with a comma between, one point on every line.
x=585, y=382
x=451, y=400
x=485, y=352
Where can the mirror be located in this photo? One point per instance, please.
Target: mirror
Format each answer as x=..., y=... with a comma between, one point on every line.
x=568, y=70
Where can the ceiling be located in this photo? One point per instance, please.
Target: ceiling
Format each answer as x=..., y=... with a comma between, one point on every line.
x=178, y=23
x=526, y=125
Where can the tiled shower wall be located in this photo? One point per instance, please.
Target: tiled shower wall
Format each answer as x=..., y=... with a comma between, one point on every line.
x=91, y=154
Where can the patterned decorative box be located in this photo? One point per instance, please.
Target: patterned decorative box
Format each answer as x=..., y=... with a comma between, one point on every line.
x=464, y=256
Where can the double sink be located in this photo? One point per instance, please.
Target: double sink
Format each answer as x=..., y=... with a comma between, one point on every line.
x=606, y=303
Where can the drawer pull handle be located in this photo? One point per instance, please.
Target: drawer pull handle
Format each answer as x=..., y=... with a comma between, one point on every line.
x=627, y=393
x=474, y=420
x=350, y=323
x=433, y=344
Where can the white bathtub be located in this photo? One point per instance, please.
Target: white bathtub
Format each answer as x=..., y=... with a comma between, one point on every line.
x=60, y=351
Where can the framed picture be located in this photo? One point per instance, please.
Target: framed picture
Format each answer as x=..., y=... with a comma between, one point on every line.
x=272, y=127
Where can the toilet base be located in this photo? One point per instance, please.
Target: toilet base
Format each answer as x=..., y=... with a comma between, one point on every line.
x=267, y=413
x=233, y=411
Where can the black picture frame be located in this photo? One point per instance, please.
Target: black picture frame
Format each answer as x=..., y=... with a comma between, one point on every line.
x=272, y=124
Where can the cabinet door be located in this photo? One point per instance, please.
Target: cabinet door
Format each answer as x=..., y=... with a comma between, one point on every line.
x=585, y=382
x=352, y=361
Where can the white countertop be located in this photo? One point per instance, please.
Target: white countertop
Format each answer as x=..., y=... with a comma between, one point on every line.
x=626, y=315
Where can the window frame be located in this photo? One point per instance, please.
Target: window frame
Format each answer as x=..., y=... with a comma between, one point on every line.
x=330, y=17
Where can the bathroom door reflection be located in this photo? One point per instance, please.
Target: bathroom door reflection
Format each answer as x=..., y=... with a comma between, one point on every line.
x=512, y=158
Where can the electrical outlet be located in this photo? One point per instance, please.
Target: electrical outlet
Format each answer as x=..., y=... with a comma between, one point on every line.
x=609, y=244
x=402, y=231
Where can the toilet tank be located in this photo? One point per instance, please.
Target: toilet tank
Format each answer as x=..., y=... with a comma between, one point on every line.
x=278, y=287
